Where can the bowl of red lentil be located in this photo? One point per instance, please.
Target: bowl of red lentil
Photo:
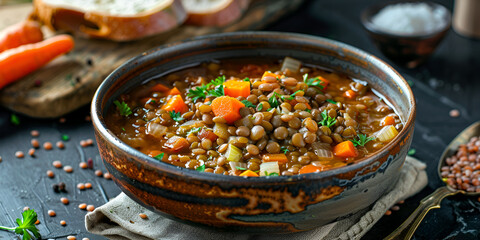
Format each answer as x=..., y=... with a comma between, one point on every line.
x=254, y=131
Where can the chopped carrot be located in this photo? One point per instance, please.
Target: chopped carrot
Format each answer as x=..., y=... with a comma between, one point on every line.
x=310, y=168
x=249, y=173
x=174, y=91
x=277, y=157
x=308, y=105
x=206, y=100
x=323, y=81
x=234, y=88
x=270, y=74
x=388, y=120
x=350, y=94
x=159, y=88
x=207, y=134
x=345, y=149
x=176, y=144
x=18, y=62
x=22, y=33
x=175, y=103
x=227, y=107
x=155, y=153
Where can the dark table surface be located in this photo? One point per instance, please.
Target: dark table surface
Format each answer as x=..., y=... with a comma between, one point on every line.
x=449, y=80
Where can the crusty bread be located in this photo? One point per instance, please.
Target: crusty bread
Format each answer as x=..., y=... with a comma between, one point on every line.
x=119, y=20
x=217, y=13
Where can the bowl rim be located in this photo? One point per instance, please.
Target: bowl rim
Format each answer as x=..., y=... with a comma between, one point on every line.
x=101, y=128
x=368, y=12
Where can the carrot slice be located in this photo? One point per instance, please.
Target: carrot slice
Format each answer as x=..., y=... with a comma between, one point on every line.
x=227, y=107
x=176, y=104
x=345, y=149
x=159, y=88
x=270, y=74
x=174, y=91
x=350, y=94
x=22, y=33
x=388, y=120
x=324, y=82
x=154, y=153
x=234, y=88
x=310, y=168
x=275, y=157
x=18, y=62
x=249, y=173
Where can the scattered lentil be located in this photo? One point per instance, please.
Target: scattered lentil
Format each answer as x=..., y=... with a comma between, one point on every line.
x=35, y=133
x=19, y=154
x=26, y=208
x=57, y=164
x=71, y=238
x=62, y=120
x=51, y=213
x=143, y=215
x=63, y=223
x=62, y=186
x=90, y=208
x=68, y=169
x=35, y=143
x=99, y=173
x=395, y=208
x=88, y=185
x=82, y=206
x=60, y=145
x=454, y=113
x=81, y=186
x=47, y=146
x=107, y=176
x=83, y=165
x=37, y=222
x=31, y=152
x=1, y=159
x=50, y=174
x=388, y=213
x=85, y=239
x=65, y=200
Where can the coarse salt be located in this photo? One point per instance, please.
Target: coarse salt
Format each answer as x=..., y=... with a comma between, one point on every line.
x=410, y=18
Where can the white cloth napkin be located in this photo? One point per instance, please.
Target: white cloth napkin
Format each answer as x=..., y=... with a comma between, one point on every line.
x=119, y=219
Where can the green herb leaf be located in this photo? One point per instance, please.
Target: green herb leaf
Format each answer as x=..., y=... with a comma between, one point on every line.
x=123, y=108
x=194, y=130
x=273, y=100
x=247, y=103
x=331, y=101
x=202, y=91
x=14, y=119
x=197, y=92
x=361, y=140
x=124, y=129
x=327, y=120
x=268, y=110
x=176, y=116
x=26, y=225
x=201, y=168
x=240, y=168
x=313, y=82
x=271, y=174
x=246, y=79
x=217, y=92
x=159, y=157
x=260, y=106
x=218, y=81
x=412, y=151
x=308, y=110
x=65, y=137
x=284, y=149
x=292, y=96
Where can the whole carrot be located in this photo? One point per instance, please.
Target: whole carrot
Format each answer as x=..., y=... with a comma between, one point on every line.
x=22, y=33
x=18, y=62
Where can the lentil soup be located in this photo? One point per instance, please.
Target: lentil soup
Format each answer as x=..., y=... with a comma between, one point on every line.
x=254, y=118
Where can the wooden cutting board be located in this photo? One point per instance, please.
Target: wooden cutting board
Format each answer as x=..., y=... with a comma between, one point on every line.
x=70, y=81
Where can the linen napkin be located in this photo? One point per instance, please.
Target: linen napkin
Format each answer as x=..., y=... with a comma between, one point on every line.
x=119, y=219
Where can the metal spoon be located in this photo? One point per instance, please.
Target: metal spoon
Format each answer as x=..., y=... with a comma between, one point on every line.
x=407, y=229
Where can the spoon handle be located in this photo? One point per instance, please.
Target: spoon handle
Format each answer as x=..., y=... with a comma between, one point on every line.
x=406, y=230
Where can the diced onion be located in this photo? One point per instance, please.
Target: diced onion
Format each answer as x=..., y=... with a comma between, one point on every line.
x=155, y=129
x=187, y=126
x=292, y=64
x=237, y=165
x=269, y=168
x=233, y=154
x=387, y=133
x=322, y=150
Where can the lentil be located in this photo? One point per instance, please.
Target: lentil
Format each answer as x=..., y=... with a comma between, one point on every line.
x=88, y=185
x=98, y=173
x=90, y=208
x=81, y=186
x=82, y=206
x=60, y=145
x=31, y=152
x=83, y=165
x=51, y=213
x=64, y=200
x=71, y=238
x=68, y=169
x=143, y=216
x=35, y=143
x=47, y=146
x=107, y=176
x=35, y=133
x=63, y=223
x=50, y=174
x=57, y=164
x=19, y=154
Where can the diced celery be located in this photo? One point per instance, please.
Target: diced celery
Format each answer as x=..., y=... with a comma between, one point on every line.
x=387, y=133
x=233, y=153
x=269, y=169
x=220, y=129
x=292, y=64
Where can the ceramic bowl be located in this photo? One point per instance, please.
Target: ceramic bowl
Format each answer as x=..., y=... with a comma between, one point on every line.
x=265, y=204
x=408, y=50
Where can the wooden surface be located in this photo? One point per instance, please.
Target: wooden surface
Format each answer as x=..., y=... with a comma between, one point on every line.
x=69, y=82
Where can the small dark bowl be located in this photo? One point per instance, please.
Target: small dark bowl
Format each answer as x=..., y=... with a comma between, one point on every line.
x=264, y=204
x=409, y=50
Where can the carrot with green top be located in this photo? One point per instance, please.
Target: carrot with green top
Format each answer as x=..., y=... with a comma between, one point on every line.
x=22, y=33
x=228, y=108
x=18, y=62
x=234, y=88
x=345, y=149
x=175, y=103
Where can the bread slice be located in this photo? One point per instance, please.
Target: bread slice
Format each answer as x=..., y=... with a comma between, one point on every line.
x=119, y=20
x=217, y=13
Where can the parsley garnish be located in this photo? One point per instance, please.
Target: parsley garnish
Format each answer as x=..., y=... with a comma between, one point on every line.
x=218, y=81
x=312, y=82
x=260, y=106
x=65, y=137
x=14, y=119
x=194, y=130
x=327, y=120
x=412, y=151
x=284, y=149
x=248, y=103
x=201, y=168
x=308, y=110
x=268, y=110
x=246, y=79
x=331, y=101
x=271, y=174
x=159, y=157
x=240, y=168
x=361, y=140
x=197, y=92
x=26, y=225
x=273, y=100
x=292, y=96
x=123, y=129
x=202, y=91
x=176, y=116
x=123, y=108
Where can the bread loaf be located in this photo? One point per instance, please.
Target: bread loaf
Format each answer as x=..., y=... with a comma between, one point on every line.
x=217, y=13
x=119, y=20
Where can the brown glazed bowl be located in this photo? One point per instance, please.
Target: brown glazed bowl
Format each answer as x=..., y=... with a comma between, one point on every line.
x=265, y=204
x=409, y=50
